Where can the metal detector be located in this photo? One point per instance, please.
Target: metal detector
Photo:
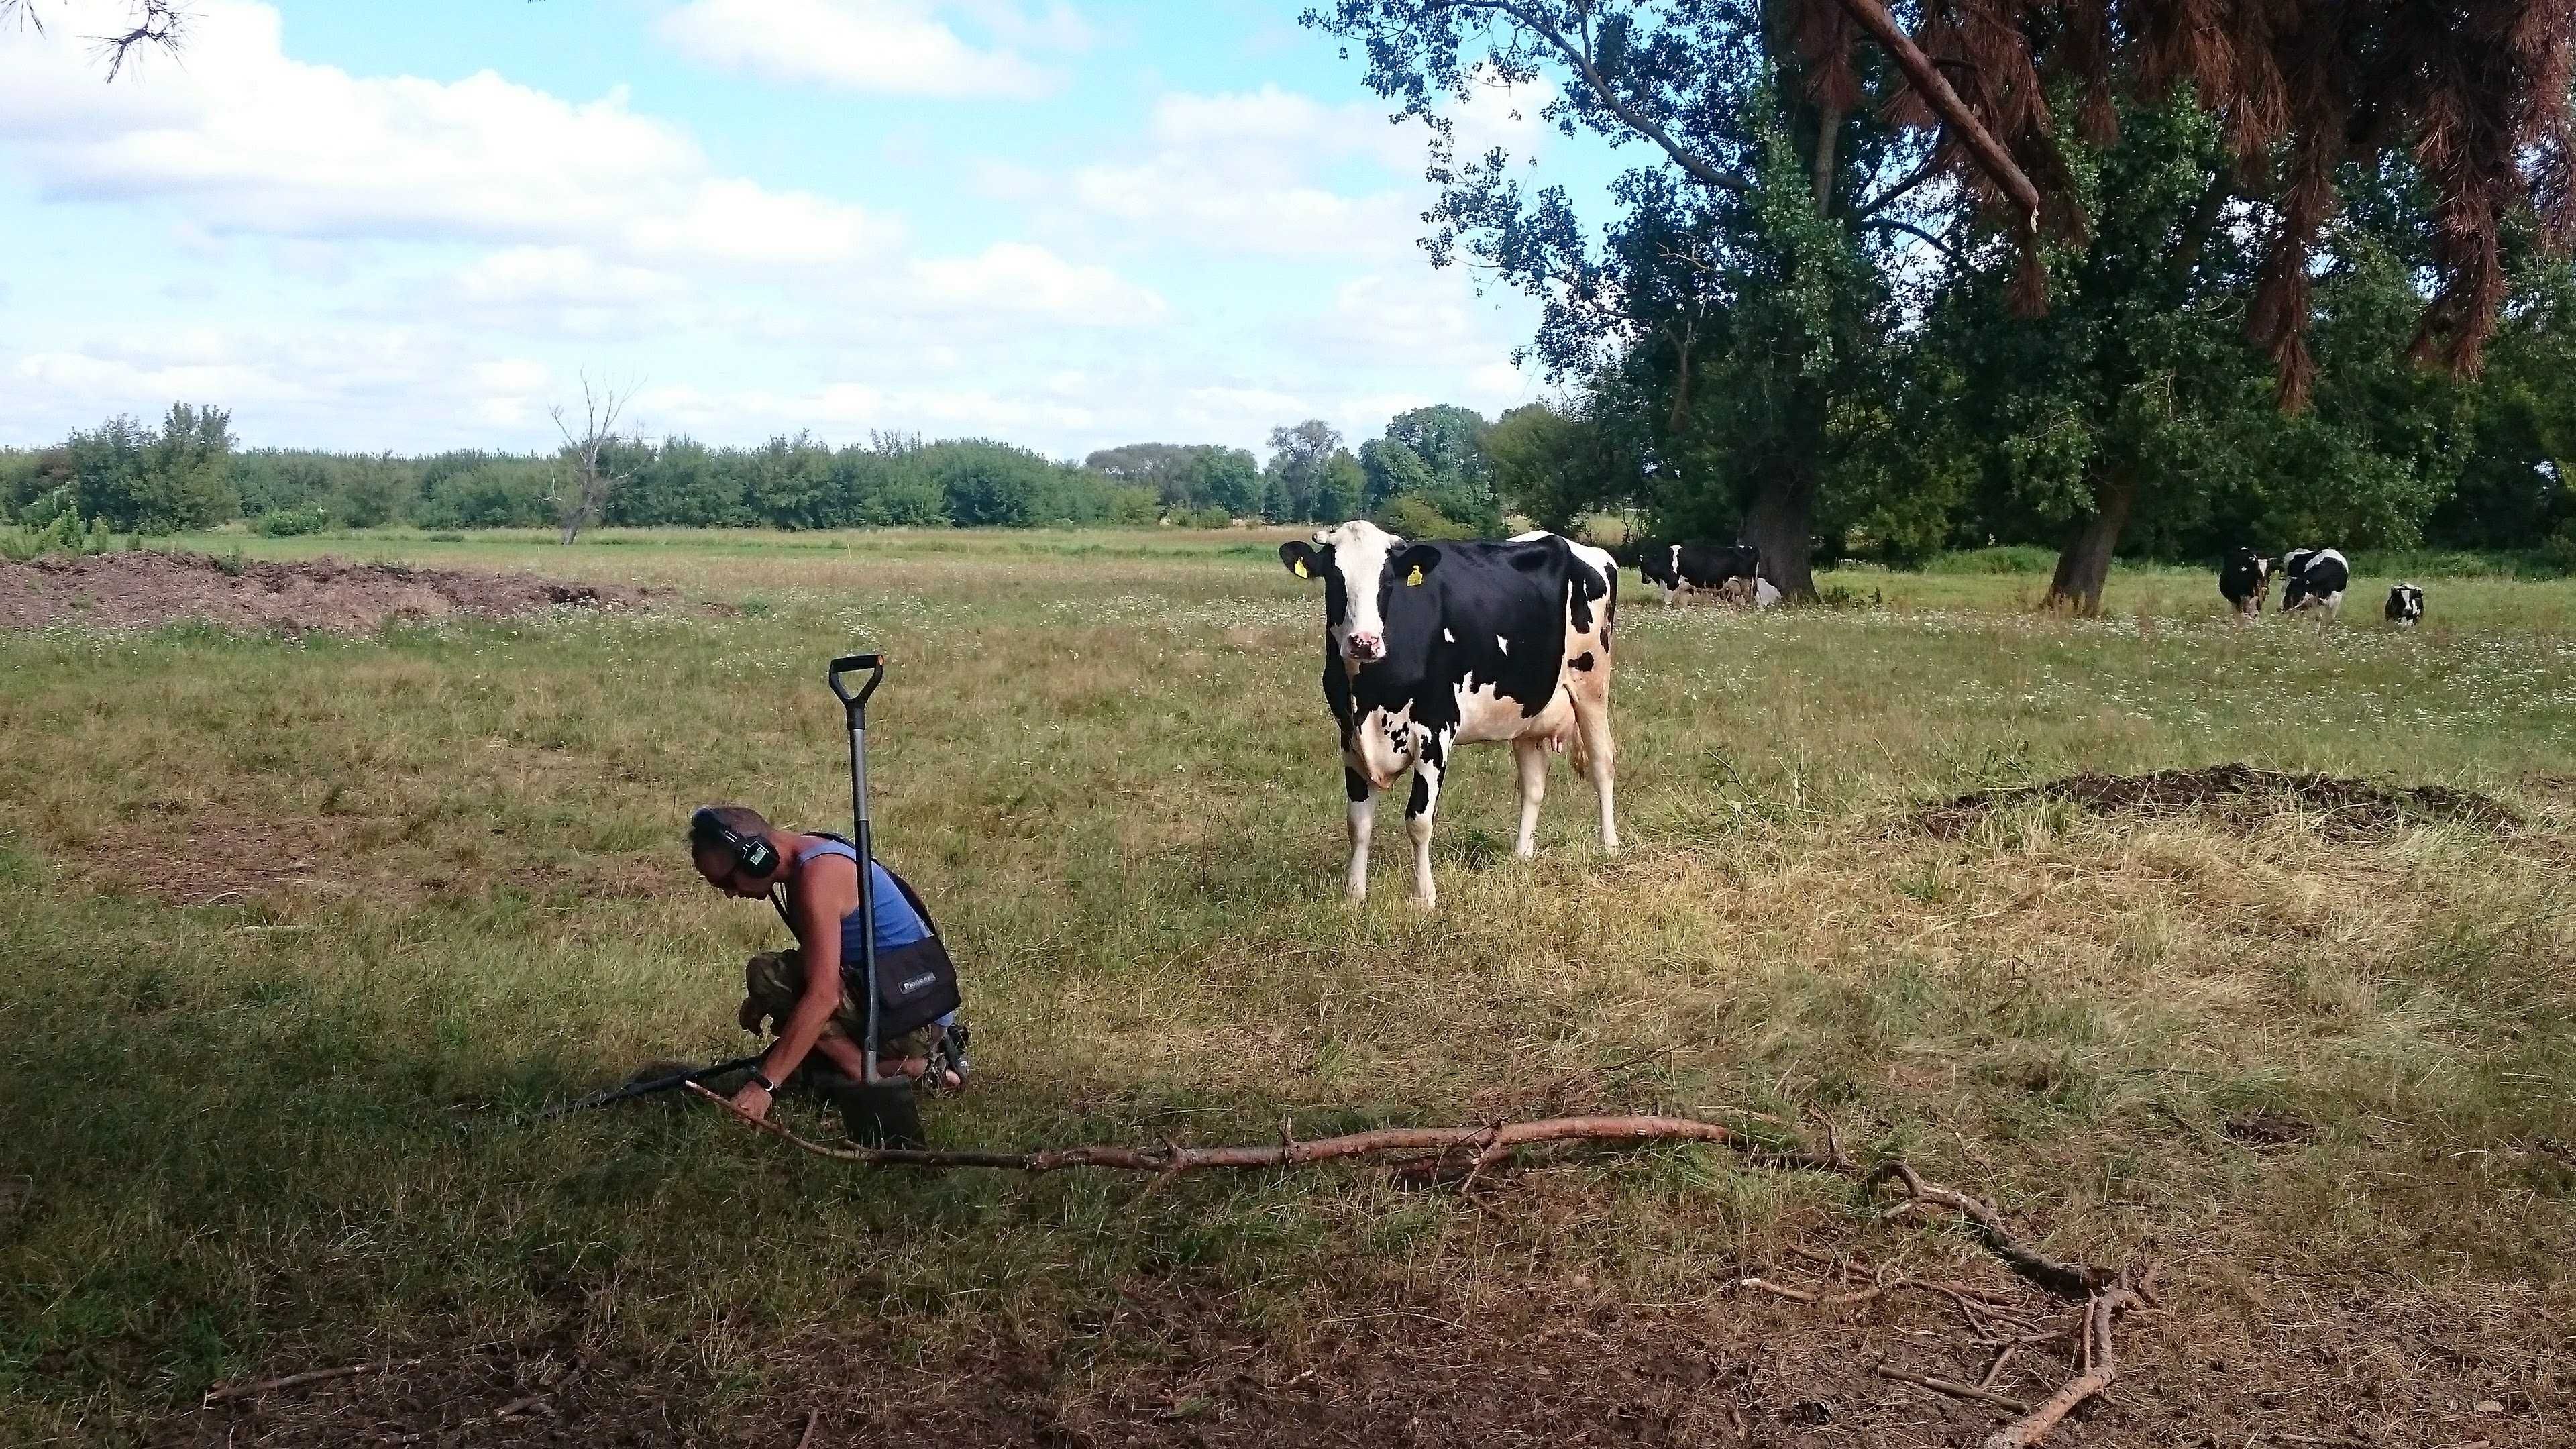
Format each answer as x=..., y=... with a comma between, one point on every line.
x=883, y=1109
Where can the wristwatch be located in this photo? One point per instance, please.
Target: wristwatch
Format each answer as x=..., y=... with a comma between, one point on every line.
x=761, y=1080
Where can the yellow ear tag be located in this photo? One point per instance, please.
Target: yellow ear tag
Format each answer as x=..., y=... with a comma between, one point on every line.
x=1414, y=577
x=1300, y=567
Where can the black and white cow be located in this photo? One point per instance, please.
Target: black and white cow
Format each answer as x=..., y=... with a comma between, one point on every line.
x=2243, y=580
x=1428, y=646
x=2314, y=578
x=2405, y=606
x=1688, y=568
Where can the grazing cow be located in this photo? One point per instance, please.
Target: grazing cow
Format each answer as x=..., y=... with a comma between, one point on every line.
x=2313, y=578
x=2243, y=580
x=1428, y=646
x=1685, y=568
x=2405, y=606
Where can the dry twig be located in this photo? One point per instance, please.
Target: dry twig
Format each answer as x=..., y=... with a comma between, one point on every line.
x=1952, y=1387
x=309, y=1376
x=812, y=1417
x=2099, y=1370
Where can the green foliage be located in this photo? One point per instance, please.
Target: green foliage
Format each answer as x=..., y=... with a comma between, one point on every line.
x=1186, y=476
x=1210, y=516
x=1311, y=477
x=1435, y=455
x=1412, y=515
x=156, y=480
x=1556, y=466
x=291, y=522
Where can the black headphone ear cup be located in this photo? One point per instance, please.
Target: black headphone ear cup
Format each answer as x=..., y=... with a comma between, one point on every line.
x=756, y=854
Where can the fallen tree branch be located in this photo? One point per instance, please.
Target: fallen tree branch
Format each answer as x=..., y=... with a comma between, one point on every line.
x=2076, y=1281
x=1952, y=1387
x=2099, y=1371
x=1486, y=1145
x=310, y=1376
x=1990, y=153
x=1174, y=1158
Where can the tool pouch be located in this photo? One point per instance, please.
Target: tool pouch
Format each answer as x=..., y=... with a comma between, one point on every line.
x=916, y=983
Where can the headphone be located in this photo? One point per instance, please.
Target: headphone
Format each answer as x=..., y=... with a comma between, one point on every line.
x=751, y=853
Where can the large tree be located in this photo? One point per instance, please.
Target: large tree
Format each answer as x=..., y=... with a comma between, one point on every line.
x=1732, y=100
x=1740, y=295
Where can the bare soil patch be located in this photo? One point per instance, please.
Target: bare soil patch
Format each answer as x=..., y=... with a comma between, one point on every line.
x=2240, y=795
x=141, y=590
x=1542, y=1363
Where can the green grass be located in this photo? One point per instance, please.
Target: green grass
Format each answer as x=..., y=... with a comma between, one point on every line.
x=281, y=914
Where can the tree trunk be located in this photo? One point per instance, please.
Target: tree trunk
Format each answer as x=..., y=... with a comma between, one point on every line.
x=2084, y=563
x=1829, y=126
x=1778, y=523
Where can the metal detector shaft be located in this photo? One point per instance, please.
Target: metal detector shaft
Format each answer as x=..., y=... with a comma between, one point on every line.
x=649, y=1086
x=855, y=707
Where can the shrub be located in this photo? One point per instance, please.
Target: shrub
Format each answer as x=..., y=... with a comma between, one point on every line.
x=1412, y=516
x=292, y=522
x=2018, y=558
x=1210, y=516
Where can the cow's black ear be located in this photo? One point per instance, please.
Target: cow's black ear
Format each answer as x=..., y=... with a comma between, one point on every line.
x=1300, y=558
x=1416, y=563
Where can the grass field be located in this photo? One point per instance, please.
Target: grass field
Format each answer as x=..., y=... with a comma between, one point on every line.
x=298, y=929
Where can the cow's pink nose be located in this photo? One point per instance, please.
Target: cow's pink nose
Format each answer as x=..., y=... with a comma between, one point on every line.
x=1365, y=647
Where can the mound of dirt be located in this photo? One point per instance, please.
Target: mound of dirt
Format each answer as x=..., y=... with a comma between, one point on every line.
x=2240, y=794
x=142, y=589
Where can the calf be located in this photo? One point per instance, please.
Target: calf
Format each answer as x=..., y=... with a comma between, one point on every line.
x=2243, y=580
x=2313, y=578
x=1428, y=646
x=1685, y=568
x=2405, y=606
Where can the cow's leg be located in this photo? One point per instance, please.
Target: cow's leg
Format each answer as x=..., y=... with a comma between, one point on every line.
x=1592, y=717
x=1363, y=820
x=1530, y=753
x=1418, y=810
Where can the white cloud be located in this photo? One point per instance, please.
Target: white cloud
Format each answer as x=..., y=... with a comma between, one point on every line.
x=557, y=275
x=893, y=47
x=1017, y=278
x=245, y=139
x=1242, y=171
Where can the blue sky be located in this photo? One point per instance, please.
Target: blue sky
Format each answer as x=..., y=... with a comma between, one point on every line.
x=370, y=225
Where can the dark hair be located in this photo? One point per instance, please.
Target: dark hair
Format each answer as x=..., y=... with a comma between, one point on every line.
x=742, y=820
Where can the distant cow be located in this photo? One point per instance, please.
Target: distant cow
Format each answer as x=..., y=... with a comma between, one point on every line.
x=1733, y=574
x=2405, y=606
x=2313, y=578
x=2243, y=580
x=1428, y=646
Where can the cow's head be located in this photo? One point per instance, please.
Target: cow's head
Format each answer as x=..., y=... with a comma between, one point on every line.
x=1360, y=564
x=1745, y=561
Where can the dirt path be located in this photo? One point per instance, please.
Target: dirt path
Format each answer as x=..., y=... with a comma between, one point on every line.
x=142, y=590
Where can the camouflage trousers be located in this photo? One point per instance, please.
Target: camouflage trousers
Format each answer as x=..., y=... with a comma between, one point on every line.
x=776, y=981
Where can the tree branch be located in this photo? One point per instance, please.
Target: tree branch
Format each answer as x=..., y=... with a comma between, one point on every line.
x=1991, y=156
x=1889, y=223
x=1930, y=168
x=1487, y=1145
x=1581, y=59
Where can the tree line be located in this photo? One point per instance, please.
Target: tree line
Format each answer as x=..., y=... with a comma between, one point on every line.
x=1428, y=473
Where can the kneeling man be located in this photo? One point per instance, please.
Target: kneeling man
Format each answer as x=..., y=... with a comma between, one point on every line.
x=814, y=995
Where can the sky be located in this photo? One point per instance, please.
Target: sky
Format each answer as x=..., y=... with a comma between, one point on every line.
x=412, y=227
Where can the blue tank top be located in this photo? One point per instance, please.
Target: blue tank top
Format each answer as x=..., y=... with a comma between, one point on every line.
x=898, y=924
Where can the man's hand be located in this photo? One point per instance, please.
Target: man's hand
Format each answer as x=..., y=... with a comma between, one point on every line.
x=751, y=1016
x=752, y=1101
